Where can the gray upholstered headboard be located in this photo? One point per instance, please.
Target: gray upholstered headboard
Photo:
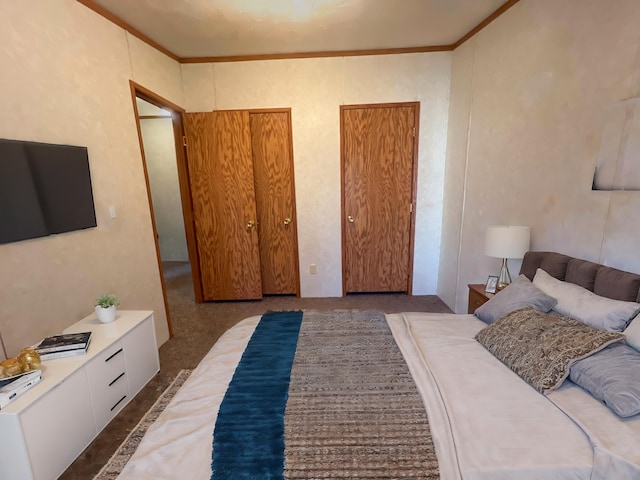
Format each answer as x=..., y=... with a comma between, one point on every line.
x=604, y=281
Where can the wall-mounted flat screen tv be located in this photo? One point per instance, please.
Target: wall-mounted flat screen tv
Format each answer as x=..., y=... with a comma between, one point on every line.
x=45, y=189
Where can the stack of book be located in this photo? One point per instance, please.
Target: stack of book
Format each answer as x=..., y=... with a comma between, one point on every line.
x=13, y=387
x=64, y=345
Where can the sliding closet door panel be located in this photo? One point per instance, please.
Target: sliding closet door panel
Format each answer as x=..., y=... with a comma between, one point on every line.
x=273, y=175
x=221, y=176
x=378, y=153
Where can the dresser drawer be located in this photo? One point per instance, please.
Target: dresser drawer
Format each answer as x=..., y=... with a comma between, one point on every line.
x=108, y=384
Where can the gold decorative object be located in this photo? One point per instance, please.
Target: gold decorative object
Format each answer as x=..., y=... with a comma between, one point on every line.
x=27, y=361
x=11, y=367
x=30, y=359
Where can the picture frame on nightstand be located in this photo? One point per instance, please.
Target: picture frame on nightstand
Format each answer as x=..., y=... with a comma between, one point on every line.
x=492, y=282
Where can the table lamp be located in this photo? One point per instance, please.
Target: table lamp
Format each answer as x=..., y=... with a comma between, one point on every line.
x=506, y=241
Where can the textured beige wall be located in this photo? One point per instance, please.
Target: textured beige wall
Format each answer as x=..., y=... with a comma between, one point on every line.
x=454, y=184
x=315, y=89
x=65, y=79
x=160, y=156
x=542, y=78
x=529, y=97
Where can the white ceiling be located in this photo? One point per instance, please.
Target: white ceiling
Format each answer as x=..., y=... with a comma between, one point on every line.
x=214, y=28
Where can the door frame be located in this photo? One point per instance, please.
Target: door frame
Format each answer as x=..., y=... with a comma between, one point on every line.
x=293, y=184
x=183, y=182
x=414, y=184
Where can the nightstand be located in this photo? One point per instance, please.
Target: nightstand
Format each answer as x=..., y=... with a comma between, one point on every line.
x=477, y=296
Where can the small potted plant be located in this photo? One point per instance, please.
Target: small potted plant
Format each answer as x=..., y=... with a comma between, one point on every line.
x=106, y=307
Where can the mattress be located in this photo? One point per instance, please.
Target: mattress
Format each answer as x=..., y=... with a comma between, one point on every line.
x=486, y=422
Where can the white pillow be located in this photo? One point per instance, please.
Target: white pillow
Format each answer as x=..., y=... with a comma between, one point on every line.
x=581, y=304
x=632, y=332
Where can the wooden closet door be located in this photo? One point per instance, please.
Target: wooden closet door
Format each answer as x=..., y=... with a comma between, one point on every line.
x=221, y=177
x=273, y=176
x=378, y=165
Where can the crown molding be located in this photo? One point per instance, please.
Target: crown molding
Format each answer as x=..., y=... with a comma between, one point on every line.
x=506, y=6
x=121, y=23
x=336, y=53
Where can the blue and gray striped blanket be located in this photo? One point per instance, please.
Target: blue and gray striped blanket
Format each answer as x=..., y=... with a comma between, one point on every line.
x=322, y=395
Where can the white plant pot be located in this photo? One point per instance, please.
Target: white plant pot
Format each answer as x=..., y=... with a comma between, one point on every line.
x=106, y=315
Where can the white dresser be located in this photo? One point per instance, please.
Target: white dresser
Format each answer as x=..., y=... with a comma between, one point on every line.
x=44, y=430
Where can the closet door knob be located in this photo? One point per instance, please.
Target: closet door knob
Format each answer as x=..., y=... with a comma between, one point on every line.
x=250, y=224
x=287, y=221
x=350, y=219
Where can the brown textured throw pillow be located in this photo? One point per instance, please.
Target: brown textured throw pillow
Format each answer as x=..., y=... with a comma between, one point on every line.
x=541, y=348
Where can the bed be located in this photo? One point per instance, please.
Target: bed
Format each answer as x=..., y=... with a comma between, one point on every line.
x=485, y=420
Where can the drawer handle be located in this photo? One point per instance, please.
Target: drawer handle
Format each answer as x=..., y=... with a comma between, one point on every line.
x=112, y=355
x=118, y=402
x=117, y=378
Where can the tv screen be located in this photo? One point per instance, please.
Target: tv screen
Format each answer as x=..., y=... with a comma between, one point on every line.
x=44, y=189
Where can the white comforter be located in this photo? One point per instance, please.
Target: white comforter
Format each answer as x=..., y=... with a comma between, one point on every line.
x=487, y=423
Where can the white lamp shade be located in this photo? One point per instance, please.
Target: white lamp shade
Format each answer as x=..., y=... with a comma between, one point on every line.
x=507, y=241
